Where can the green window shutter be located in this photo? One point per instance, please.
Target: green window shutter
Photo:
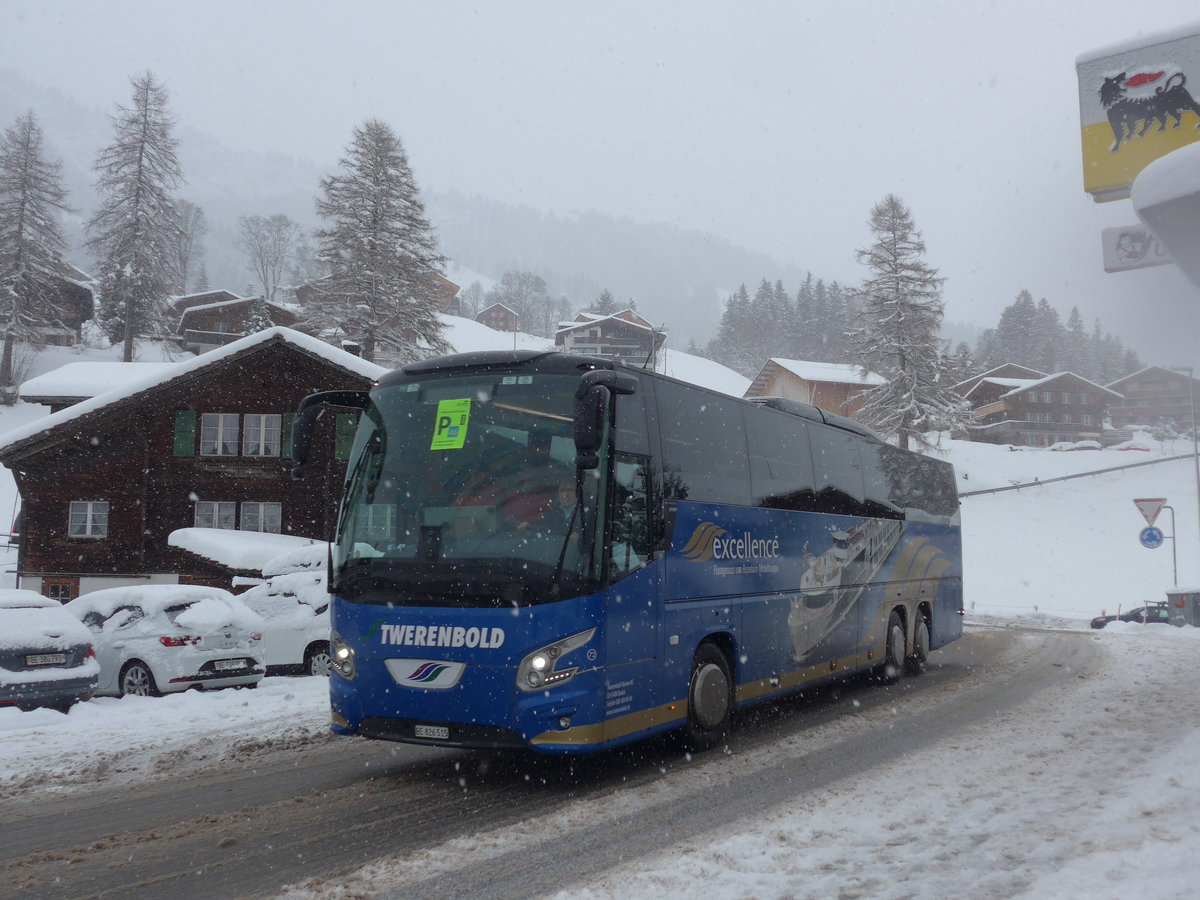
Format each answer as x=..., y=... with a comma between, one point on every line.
x=185, y=432
x=347, y=423
x=286, y=449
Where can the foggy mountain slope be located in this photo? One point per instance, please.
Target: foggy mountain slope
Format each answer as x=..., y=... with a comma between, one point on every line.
x=678, y=278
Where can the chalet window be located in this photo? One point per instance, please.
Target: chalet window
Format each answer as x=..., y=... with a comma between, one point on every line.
x=219, y=434
x=215, y=514
x=262, y=517
x=88, y=519
x=1047, y=396
x=1066, y=398
x=1033, y=396
x=1085, y=399
x=60, y=589
x=261, y=435
x=1087, y=420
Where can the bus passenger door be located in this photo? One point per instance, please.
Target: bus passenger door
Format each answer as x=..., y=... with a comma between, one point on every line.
x=634, y=598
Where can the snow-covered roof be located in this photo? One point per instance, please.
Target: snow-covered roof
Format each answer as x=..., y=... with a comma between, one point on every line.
x=837, y=373
x=243, y=550
x=239, y=301
x=87, y=379
x=575, y=326
x=1023, y=385
x=504, y=306
x=1170, y=373
x=1032, y=372
x=312, y=345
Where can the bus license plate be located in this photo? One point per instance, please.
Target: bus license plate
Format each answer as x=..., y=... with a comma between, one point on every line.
x=437, y=732
x=224, y=664
x=46, y=659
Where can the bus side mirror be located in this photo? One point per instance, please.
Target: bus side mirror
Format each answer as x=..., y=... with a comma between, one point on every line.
x=591, y=407
x=589, y=426
x=306, y=417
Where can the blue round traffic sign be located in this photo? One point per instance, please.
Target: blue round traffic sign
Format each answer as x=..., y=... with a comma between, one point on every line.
x=1151, y=537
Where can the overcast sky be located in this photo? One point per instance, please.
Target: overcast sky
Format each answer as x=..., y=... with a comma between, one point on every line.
x=776, y=125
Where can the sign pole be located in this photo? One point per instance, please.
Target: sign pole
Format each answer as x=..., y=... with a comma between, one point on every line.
x=1174, y=559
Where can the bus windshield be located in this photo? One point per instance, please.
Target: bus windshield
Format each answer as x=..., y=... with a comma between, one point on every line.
x=463, y=491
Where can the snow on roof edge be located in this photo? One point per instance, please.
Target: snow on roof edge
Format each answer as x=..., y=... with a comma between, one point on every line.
x=317, y=347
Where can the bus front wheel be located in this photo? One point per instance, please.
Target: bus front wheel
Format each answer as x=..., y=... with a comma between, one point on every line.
x=710, y=698
x=893, y=657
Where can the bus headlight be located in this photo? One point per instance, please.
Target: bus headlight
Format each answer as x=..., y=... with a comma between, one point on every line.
x=539, y=670
x=342, y=656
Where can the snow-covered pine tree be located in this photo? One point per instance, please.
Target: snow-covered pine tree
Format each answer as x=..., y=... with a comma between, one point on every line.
x=381, y=250
x=259, y=318
x=31, y=241
x=603, y=305
x=1076, y=349
x=900, y=311
x=268, y=242
x=136, y=225
x=1017, y=333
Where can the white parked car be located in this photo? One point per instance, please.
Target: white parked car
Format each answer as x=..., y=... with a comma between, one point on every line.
x=294, y=605
x=154, y=639
x=46, y=656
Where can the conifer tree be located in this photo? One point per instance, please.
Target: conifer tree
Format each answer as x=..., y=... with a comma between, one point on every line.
x=133, y=230
x=381, y=250
x=1075, y=347
x=259, y=318
x=604, y=305
x=900, y=312
x=31, y=240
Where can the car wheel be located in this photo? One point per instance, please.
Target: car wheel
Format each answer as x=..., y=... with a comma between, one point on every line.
x=317, y=660
x=137, y=680
x=915, y=664
x=710, y=698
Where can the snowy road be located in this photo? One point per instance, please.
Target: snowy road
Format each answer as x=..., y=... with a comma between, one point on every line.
x=313, y=809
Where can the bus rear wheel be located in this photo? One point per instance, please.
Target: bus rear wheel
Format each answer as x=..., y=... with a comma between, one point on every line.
x=710, y=698
x=915, y=664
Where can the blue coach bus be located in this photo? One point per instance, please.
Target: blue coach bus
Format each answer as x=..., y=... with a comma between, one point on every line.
x=545, y=550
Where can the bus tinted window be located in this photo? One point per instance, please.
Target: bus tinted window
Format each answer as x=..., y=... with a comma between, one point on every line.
x=631, y=435
x=704, y=446
x=781, y=471
x=839, y=479
x=882, y=499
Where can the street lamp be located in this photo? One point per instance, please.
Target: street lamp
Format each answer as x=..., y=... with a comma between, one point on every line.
x=1190, y=370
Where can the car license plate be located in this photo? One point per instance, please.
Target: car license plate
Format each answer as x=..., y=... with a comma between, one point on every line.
x=222, y=665
x=437, y=732
x=46, y=659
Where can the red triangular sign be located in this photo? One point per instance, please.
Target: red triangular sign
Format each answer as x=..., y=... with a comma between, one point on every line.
x=1151, y=508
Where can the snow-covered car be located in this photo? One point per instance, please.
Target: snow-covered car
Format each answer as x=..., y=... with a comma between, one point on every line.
x=46, y=656
x=294, y=605
x=155, y=639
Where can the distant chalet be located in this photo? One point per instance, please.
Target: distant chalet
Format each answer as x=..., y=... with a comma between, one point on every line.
x=623, y=336
x=201, y=443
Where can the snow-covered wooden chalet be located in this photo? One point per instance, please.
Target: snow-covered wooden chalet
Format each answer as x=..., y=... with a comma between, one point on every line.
x=202, y=443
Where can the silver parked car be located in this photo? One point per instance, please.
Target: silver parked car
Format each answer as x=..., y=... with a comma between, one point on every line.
x=154, y=639
x=46, y=656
